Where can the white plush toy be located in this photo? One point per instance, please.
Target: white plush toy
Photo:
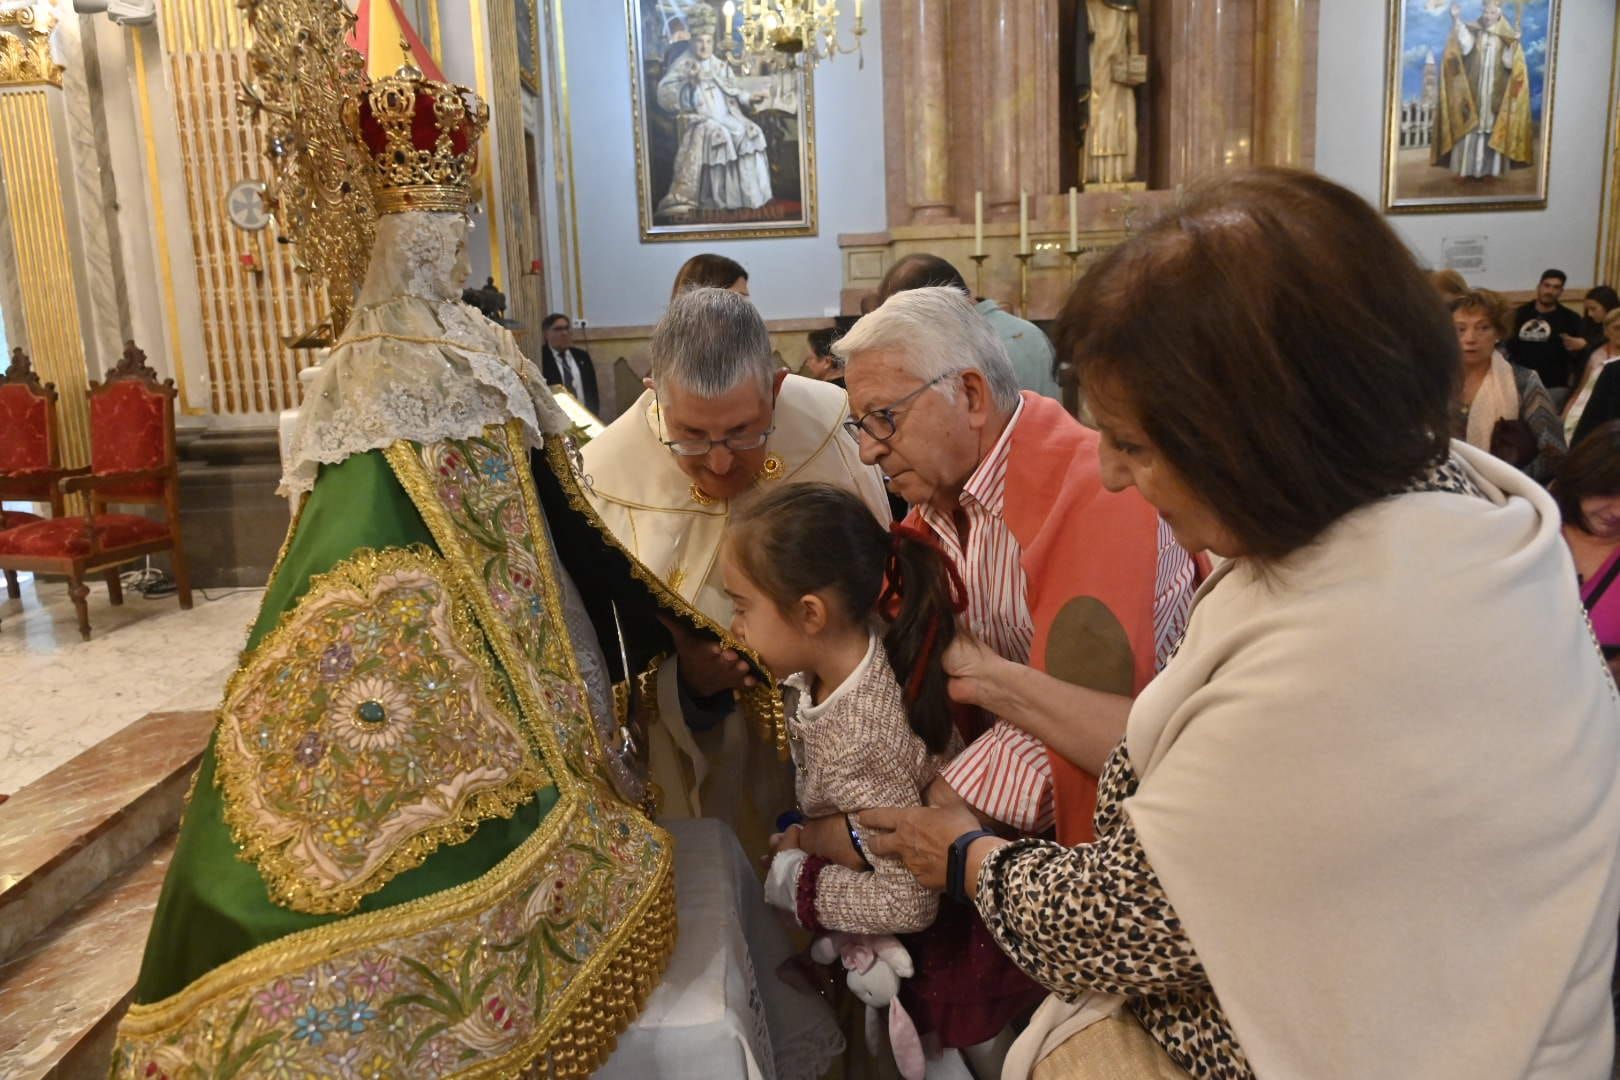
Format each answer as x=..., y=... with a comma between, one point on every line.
x=876, y=963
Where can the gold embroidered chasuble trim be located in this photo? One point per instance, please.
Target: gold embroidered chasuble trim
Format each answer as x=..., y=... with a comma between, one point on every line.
x=330, y=802
x=538, y=963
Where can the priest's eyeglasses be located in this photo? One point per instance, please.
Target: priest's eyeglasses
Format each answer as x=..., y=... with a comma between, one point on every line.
x=704, y=447
x=734, y=443
x=880, y=424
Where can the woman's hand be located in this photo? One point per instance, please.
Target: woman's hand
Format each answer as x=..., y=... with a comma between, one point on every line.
x=974, y=669
x=920, y=837
x=828, y=838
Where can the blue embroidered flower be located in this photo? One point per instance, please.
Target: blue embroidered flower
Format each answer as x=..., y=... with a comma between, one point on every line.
x=496, y=468
x=352, y=1016
x=312, y=1026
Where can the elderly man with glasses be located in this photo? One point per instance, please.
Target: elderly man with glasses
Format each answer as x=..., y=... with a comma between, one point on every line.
x=1076, y=594
x=716, y=425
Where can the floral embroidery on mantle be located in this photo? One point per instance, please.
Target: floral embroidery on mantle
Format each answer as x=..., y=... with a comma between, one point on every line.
x=534, y=967
x=474, y=494
x=368, y=729
x=502, y=973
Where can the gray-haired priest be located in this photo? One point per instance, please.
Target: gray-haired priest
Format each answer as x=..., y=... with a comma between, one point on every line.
x=717, y=425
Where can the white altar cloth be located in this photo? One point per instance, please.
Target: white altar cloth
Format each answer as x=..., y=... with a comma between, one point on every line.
x=721, y=1011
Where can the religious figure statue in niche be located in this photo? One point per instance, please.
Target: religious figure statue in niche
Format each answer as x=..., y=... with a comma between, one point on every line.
x=1484, y=124
x=1118, y=67
x=721, y=161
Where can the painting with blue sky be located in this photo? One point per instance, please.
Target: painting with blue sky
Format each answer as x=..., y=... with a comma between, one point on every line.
x=1426, y=170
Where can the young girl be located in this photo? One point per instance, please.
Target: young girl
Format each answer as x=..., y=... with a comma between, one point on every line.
x=857, y=619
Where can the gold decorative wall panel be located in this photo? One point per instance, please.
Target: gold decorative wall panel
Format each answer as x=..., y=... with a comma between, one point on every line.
x=246, y=310
x=33, y=192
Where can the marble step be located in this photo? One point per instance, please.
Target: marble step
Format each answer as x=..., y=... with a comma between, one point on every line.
x=66, y=833
x=62, y=995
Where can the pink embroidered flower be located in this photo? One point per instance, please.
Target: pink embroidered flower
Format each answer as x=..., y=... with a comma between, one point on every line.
x=375, y=976
x=439, y=1055
x=278, y=1003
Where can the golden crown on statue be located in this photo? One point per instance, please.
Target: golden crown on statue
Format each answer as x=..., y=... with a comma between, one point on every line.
x=421, y=139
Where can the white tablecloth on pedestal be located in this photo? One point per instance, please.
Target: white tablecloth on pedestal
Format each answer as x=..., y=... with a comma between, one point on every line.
x=721, y=1011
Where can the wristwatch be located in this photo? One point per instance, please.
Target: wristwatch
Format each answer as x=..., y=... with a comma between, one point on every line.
x=956, y=865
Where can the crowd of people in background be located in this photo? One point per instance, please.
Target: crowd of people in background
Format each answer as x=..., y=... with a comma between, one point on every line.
x=1038, y=693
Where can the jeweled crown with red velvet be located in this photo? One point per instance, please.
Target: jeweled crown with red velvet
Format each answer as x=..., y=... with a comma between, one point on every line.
x=421, y=137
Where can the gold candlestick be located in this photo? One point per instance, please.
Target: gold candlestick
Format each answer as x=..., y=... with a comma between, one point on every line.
x=978, y=274
x=1074, y=261
x=1023, y=258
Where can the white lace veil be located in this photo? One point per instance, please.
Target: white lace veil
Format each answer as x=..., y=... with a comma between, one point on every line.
x=414, y=362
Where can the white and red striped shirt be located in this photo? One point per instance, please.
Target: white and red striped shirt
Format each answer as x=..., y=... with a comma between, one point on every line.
x=1005, y=774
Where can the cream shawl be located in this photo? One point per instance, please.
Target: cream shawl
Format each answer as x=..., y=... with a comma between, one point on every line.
x=1381, y=793
x=1498, y=399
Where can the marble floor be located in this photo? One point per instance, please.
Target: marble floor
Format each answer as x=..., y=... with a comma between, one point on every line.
x=60, y=695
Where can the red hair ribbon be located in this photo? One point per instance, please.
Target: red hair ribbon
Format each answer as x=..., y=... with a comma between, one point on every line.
x=894, y=589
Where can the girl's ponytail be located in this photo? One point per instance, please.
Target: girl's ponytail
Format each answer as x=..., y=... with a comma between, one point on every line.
x=922, y=598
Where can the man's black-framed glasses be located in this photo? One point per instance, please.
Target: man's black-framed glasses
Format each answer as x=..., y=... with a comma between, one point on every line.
x=880, y=424
x=702, y=447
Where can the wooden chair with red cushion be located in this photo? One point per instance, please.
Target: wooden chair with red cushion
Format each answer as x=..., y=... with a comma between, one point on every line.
x=30, y=450
x=132, y=461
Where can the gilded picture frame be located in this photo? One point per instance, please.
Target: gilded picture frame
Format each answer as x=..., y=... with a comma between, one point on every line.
x=1468, y=105
x=724, y=142
x=528, y=43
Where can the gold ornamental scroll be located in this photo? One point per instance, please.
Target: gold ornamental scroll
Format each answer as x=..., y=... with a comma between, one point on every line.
x=253, y=297
x=31, y=144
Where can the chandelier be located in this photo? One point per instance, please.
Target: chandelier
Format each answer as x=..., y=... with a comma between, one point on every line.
x=803, y=31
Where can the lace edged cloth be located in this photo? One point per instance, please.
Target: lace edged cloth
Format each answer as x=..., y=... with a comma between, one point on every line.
x=414, y=362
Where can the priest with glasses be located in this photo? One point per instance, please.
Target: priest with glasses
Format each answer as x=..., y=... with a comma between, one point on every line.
x=717, y=426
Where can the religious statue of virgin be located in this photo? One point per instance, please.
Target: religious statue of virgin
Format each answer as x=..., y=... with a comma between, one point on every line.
x=417, y=843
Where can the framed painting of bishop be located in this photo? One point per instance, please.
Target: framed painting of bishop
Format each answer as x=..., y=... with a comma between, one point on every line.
x=1468, y=113
x=725, y=140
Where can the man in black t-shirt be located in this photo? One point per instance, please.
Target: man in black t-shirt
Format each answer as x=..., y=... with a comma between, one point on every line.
x=1539, y=328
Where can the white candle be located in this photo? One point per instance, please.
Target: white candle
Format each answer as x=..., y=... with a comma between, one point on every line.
x=978, y=223
x=1023, y=223
x=1074, y=219
x=857, y=10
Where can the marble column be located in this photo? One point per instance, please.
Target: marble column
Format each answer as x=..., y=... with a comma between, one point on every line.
x=1279, y=72
x=1190, y=138
x=928, y=173
x=999, y=72
x=100, y=255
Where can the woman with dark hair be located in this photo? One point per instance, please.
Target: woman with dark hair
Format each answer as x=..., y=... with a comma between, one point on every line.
x=1304, y=862
x=1503, y=408
x=1588, y=494
x=709, y=271
x=1599, y=301
x=1607, y=351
